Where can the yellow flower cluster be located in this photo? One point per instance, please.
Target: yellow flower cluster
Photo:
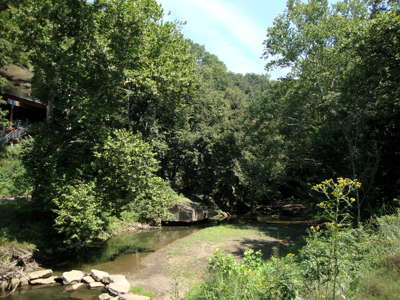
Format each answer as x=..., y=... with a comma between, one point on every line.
x=316, y=228
x=347, y=181
x=340, y=183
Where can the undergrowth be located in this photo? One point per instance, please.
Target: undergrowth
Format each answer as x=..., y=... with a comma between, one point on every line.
x=337, y=261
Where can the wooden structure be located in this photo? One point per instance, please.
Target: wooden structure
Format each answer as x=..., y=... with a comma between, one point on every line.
x=21, y=109
x=21, y=113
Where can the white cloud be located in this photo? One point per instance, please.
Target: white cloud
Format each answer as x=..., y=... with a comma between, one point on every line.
x=245, y=31
x=223, y=29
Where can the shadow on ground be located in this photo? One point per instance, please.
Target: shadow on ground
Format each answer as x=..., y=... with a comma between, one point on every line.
x=283, y=239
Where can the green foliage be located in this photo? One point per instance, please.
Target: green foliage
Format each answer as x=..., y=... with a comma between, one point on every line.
x=126, y=169
x=250, y=278
x=131, y=71
x=205, y=151
x=335, y=112
x=79, y=215
x=13, y=181
x=125, y=164
x=332, y=264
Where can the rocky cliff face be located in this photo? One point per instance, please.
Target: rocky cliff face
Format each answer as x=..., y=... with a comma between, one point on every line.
x=18, y=80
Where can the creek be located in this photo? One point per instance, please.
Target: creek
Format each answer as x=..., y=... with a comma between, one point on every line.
x=119, y=255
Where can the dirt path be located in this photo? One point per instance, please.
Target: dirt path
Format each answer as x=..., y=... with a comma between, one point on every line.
x=170, y=272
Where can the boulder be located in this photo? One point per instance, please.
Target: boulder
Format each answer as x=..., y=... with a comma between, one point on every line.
x=40, y=274
x=88, y=279
x=95, y=285
x=100, y=276
x=133, y=297
x=42, y=281
x=119, y=285
x=72, y=276
x=187, y=213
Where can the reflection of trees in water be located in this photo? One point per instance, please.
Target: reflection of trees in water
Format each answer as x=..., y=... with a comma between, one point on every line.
x=125, y=244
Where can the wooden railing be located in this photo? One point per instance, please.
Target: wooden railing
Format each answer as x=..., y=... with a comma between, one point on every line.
x=13, y=135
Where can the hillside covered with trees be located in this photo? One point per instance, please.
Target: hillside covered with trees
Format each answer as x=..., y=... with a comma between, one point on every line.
x=140, y=118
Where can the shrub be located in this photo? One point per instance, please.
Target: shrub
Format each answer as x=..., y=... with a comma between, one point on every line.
x=79, y=215
x=250, y=278
x=126, y=169
x=13, y=180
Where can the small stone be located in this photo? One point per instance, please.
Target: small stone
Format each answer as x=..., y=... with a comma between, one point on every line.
x=132, y=297
x=105, y=296
x=40, y=274
x=42, y=281
x=72, y=276
x=74, y=286
x=95, y=285
x=88, y=279
x=99, y=275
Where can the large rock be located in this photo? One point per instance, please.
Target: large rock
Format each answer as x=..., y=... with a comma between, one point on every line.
x=88, y=279
x=187, y=213
x=133, y=297
x=190, y=212
x=40, y=274
x=72, y=276
x=43, y=281
x=119, y=285
x=100, y=276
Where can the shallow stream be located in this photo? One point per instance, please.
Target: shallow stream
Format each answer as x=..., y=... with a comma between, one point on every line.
x=119, y=255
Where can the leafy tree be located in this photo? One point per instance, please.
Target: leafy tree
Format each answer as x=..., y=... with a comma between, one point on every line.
x=205, y=152
x=327, y=110
x=103, y=65
x=126, y=168
x=79, y=215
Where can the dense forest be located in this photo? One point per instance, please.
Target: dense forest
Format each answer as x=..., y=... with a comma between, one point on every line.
x=138, y=114
x=140, y=118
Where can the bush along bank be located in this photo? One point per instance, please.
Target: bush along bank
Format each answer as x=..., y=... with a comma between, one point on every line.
x=338, y=260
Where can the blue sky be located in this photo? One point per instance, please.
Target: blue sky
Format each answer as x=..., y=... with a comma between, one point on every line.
x=231, y=29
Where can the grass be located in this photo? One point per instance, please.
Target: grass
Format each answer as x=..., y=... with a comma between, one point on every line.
x=142, y=292
x=188, y=257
